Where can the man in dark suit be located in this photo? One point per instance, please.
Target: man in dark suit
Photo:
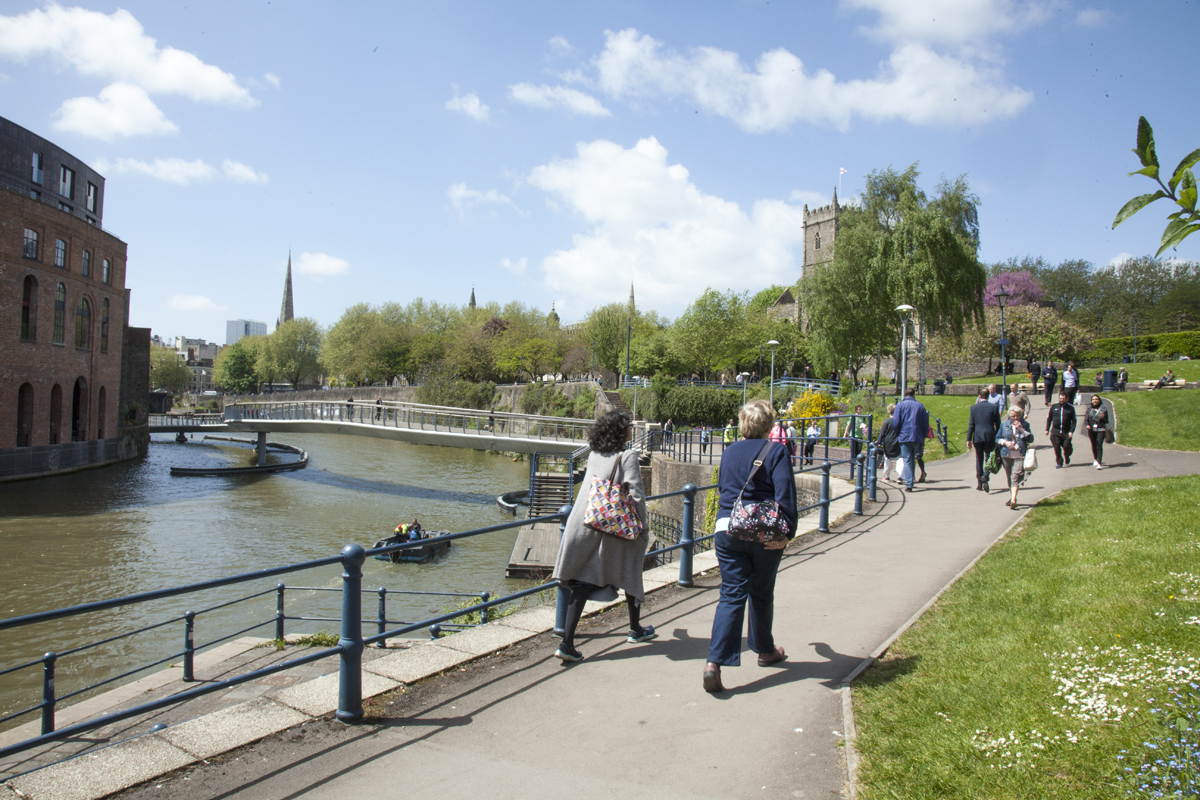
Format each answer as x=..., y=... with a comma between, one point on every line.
x=1050, y=375
x=1035, y=372
x=982, y=427
x=1060, y=424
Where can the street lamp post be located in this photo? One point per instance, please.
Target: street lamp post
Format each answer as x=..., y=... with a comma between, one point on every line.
x=745, y=382
x=772, y=344
x=592, y=367
x=1002, y=300
x=904, y=310
x=628, y=336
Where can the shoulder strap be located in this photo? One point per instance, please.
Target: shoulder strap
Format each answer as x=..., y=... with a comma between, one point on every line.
x=758, y=462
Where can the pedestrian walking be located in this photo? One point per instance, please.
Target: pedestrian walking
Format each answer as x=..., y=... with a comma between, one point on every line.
x=888, y=443
x=350, y=408
x=730, y=434
x=1060, y=425
x=592, y=565
x=912, y=421
x=1096, y=420
x=996, y=397
x=1018, y=399
x=1035, y=372
x=1070, y=381
x=1050, y=376
x=753, y=471
x=669, y=429
x=793, y=440
x=983, y=424
x=811, y=436
x=705, y=433
x=1014, y=439
x=1122, y=379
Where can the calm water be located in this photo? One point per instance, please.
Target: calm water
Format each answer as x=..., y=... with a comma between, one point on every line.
x=129, y=528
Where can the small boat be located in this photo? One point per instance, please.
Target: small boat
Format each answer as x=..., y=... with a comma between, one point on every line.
x=414, y=555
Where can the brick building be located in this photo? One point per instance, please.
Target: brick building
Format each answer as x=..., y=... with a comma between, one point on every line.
x=67, y=397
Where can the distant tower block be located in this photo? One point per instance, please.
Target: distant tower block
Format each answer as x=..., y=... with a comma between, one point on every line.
x=286, y=313
x=820, y=231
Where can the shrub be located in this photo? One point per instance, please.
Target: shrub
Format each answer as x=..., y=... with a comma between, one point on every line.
x=441, y=390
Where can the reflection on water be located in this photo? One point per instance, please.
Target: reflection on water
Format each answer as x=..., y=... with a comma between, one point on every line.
x=132, y=527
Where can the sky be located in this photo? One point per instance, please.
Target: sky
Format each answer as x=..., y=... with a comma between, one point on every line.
x=553, y=153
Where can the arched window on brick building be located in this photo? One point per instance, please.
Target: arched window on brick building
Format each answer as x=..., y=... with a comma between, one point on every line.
x=104, y=326
x=60, y=313
x=55, y=413
x=83, y=324
x=29, y=309
x=101, y=408
x=25, y=415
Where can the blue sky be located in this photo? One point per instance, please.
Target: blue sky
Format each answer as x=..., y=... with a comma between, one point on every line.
x=553, y=152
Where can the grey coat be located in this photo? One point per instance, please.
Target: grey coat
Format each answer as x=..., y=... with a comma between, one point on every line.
x=598, y=558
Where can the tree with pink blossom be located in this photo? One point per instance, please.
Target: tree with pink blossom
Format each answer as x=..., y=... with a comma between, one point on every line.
x=1022, y=287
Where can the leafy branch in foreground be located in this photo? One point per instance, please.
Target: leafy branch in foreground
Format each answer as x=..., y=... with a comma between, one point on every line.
x=1181, y=189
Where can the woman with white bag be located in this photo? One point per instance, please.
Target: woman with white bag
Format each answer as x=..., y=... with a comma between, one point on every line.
x=1014, y=438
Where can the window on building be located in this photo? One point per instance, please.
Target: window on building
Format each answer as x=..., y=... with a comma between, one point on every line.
x=60, y=253
x=37, y=167
x=106, y=272
x=29, y=309
x=85, y=264
x=60, y=313
x=35, y=194
x=66, y=182
x=55, y=413
x=818, y=244
x=93, y=197
x=83, y=324
x=31, y=243
x=66, y=208
x=104, y=326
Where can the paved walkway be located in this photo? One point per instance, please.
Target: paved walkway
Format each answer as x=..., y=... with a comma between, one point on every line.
x=632, y=721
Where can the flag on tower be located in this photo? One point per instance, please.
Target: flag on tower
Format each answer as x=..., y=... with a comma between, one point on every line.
x=843, y=171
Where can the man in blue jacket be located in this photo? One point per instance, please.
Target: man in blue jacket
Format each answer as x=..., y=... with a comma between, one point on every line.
x=912, y=428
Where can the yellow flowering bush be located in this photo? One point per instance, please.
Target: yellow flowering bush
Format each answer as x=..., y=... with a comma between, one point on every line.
x=811, y=404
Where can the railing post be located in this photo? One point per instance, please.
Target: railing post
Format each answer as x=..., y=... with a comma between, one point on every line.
x=823, y=524
x=560, y=607
x=872, y=472
x=48, y=696
x=189, y=646
x=279, y=615
x=483, y=612
x=687, y=538
x=382, y=619
x=350, y=672
x=435, y=631
x=858, y=484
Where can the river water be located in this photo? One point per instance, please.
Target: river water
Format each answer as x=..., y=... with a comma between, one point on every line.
x=131, y=527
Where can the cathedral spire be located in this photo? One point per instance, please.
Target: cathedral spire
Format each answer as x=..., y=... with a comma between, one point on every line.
x=286, y=313
x=632, y=307
x=471, y=305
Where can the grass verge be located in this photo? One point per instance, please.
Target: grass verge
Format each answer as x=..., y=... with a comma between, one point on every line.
x=1034, y=675
x=1142, y=371
x=1165, y=420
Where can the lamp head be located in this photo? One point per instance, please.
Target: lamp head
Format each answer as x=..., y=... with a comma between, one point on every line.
x=773, y=343
x=1002, y=297
x=905, y=309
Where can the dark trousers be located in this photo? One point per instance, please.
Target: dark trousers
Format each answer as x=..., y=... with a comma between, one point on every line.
x=809, y=446
x=982, y=451
x=1049, y=391
x=747, y=573
x=1097, y=438
x=1071, y=392
x=1061, y=442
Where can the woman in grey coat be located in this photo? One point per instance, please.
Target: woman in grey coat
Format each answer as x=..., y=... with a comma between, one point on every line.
x=591, y=564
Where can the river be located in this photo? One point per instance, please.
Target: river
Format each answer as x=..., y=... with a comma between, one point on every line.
x=132, y=527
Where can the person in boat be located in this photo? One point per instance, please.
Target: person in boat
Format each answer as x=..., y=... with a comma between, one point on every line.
x=402, y=533
x=415, y=531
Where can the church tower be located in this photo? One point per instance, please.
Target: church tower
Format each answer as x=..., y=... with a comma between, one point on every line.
x=286, y=313
x=820, y=231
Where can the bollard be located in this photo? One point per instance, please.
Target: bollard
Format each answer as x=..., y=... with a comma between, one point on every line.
x=872, y=471
x=435, y=631
x=350, y=669
x=381, y=621
x=189, y=646
x=823, y=524
x=279, y=616
x=687, y=538
x=48, y=697
x=858, y=484
x=560, y=607
x=483, y=612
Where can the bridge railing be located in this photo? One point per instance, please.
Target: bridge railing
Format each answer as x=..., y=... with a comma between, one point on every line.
x=414, y=416
x=352, y=641
x=183, y=420
x=830, y=387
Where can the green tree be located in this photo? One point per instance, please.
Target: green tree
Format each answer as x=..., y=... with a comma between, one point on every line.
x=295, y=347
x=605, y=327
x=710, y=334
x=234, y=370
x=168, y=370
x=1180, y=189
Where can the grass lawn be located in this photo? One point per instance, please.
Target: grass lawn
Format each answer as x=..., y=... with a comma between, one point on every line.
x=1142, y=371
x=1037, y=671
x=1163, y=420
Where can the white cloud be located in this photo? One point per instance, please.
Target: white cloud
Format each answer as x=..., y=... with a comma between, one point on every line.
x=237, y=171
x=573, y=100
x=272, y=79
x=916, y=84
x=1119, y=259
x=171, y=170
x=122, y=109
x=464, y=197
x=115, y=47
x=320, y=265
x=193, y=302
x=810, y=198
x=559, y=46
x=468, y=104
x=515, y=267
x=650, y=224
x=1094, y=17
x=950, y=22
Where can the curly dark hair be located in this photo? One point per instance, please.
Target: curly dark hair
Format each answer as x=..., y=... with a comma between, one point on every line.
x=607, y=434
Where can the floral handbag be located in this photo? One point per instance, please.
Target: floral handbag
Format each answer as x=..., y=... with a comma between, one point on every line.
x=611, y=508
x=757, y=521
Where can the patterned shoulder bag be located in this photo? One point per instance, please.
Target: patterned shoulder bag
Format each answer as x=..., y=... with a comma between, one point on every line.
x=611, y=508
x=758, y=521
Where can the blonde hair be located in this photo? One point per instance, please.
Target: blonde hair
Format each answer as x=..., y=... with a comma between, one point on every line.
x=755, y=419
x=1016, y=412
x=891, y=408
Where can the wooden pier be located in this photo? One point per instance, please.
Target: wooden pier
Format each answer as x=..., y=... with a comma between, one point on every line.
x=534, y=552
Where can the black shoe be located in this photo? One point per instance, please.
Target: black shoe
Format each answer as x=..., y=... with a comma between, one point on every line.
x=1068, y=460
x=987, y=487
x=568, y=654
x=979, y=486
x=908, y=489
x=644, y=635
x=922, y=478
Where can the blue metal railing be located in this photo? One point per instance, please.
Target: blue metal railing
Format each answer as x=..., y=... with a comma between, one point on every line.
x=352, y=641
x=831, y=387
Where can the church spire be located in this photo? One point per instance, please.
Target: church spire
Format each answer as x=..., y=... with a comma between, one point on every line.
x=471, y=305
x=286, y=313
x=631, y=305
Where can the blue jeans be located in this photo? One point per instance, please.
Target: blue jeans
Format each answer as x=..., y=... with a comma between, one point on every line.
x=909, y=451
x=747, y=573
